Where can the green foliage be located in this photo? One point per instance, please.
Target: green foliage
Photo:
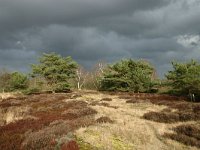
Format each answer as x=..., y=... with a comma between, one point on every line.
x=128, y=75
x=61, y=87
x=18, y=81
x=56, y=70
x=13, y=81
x=30, y=91
x=185, y=77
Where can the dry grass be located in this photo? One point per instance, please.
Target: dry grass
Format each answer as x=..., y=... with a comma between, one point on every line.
x=10, y=114
x=4, y=96
x=100, y=121
x=129, y=130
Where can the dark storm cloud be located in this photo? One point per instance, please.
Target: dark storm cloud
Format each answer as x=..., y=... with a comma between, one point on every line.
x=94, y=30
x=25, y=13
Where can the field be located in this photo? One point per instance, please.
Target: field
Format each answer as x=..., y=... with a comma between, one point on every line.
x=98, y=121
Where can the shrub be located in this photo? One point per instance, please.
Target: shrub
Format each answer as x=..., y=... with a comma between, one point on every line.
x=186, y=134
x=33, y=90
x=128, y=75
x=61, y=87
x=106, y=99
x=18, y=81
x=104, y=119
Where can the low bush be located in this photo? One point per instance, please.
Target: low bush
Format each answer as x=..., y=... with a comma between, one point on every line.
x=171, y=117
x=189, y=130
x=59, y=88
x=30, y=91
x=184, y=111
x=104, y=119
x=106, y=99
x=161, y=117
x=186, y=134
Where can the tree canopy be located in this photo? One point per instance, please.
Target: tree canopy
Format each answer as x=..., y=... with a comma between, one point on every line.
x=56, y=73
x=56, y=70
x=185, y=77
x=128, y=75
x=18, y=81
x=13, y=81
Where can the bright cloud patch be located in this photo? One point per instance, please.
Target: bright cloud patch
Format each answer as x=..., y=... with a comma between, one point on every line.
x=189, y=40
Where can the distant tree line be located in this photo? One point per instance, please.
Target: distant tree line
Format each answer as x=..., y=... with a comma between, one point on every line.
x=60, y=74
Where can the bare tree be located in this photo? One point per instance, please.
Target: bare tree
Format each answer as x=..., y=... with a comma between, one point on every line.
x=97, y=73
x=81, y=76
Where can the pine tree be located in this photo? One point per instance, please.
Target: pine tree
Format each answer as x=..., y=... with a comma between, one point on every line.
x=56, y=70
x=128, y=75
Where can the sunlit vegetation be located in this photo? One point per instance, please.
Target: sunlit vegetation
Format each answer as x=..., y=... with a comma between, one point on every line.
x=55, y=73
x=124, y=105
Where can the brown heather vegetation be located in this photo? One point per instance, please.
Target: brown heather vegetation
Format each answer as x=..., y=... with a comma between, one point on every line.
x=177, y=111
x=104, y=119
x=46, y=109
x=186, y=134
x=106, y=99
x=93, y=120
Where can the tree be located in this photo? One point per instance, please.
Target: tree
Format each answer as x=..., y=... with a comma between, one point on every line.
x=80, y=78
x=13, y=81
x=128, y=75
x=56, y=70
x=97, y=74
x=18, y=81
x=185, y=78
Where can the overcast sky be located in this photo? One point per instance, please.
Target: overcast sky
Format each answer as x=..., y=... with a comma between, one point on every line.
x=99, y=30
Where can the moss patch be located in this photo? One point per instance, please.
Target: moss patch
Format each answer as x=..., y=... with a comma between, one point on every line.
x=119, y=144
x=84, y=145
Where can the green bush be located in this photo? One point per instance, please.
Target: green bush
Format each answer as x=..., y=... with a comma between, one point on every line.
x=30, y=91
x=61, y=87
x=128, y=75
x=18, y=81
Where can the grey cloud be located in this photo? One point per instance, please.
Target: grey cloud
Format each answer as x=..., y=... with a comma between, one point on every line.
x=16, y=59
x=85, y=44
x=19, y=14
x=93, y=30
